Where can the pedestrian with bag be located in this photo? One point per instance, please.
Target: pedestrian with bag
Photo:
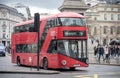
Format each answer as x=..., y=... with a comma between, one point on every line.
x=107, y=52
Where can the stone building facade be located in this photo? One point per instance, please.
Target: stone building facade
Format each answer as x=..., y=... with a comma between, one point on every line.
x=77, y=6
x=103, y=19
x=8, y=18
x=104, y=22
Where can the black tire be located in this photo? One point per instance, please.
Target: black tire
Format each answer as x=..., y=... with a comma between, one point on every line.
x=18, y=61
x=4, y=54
x=45, y=64
x=72, y=68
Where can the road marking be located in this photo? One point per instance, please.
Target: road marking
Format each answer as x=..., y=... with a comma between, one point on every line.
x=82, y=76
x=87, y=76
x=95, y=76
x=109, y=73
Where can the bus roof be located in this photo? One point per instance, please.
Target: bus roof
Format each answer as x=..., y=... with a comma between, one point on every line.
x=65, y=14
x=62, y=14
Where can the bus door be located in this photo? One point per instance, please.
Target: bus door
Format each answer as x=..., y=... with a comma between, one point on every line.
x=52, y=54
x=78, y=52
x=63, y=51
x=82, y=52
x=82, y=46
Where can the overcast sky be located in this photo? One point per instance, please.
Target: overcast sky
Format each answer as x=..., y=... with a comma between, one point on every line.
x=41, y=6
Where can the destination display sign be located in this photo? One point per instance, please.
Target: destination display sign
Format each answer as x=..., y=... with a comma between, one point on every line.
x=74, y=33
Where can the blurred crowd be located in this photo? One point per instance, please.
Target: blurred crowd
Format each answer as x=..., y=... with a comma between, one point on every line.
x=106, y=52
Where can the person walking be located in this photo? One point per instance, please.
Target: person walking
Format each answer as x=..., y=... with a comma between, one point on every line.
x=101, y=53
x=112, y=51
x=96, y=51
x=119, y=51
x=95, y=48
x=116, y=50
x=107, y=52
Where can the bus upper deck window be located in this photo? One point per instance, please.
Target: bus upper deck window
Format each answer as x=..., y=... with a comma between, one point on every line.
x=31, y=29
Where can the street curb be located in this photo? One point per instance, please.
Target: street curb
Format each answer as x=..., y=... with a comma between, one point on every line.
x=105, y=64
x=29, y=72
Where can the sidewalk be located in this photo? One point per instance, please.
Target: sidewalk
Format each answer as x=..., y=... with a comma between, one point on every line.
x=7, y=67
x=94, y=60
x=13, y=68
x=41, y=71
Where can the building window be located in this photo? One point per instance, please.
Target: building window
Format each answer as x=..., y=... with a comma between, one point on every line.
x=89, y=29
x=118, y=30
x=4, y=13
x=105, y=29
x=112, y=9
x=104, y=42
x=112, y=17
x=4, y=22
x=111, y=29
x=118, y=9
x=105, y=16
x=95, y=30
x=4, y=27
x=105, y=9
x=95, y=18
x=4, y=35
x=118, y=16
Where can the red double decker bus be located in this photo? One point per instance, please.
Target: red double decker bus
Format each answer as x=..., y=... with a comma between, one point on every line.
x=63, y=42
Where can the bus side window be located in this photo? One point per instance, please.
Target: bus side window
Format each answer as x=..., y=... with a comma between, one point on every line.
x=29, y=48
x=31, y=29
x=53, y=47
x=34, y=48
x=16, y=29
x=57, y=22
x=52, y=22
x=18, y=48
x=25, y=48
x=24, y=28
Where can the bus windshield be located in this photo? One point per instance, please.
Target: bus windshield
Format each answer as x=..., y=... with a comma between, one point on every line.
x=73, y=21
x=71, y=48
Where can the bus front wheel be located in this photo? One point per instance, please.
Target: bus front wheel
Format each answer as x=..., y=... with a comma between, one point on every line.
x=45, y=63
x=72, y=68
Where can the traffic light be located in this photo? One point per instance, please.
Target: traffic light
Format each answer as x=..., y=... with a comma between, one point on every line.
x=36, y=22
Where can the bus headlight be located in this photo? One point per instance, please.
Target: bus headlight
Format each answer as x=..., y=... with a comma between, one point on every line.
x=63, y=62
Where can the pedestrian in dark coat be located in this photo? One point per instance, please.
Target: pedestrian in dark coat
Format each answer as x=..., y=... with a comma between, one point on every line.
x=95, y=51
x=101, y=53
